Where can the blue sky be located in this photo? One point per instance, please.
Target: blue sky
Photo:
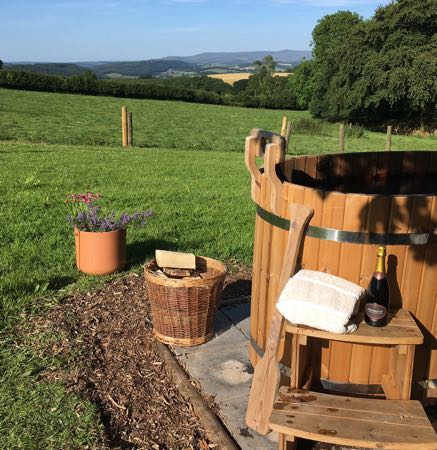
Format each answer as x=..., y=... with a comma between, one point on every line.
x=96, y=30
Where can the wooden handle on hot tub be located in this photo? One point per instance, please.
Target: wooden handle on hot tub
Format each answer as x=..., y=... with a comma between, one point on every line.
x=256, y=145
x=272, y=155
x=263, y=137
x=255, y=173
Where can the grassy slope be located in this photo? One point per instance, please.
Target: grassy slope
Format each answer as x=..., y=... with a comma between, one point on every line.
x=75, y=119
x=201, y=203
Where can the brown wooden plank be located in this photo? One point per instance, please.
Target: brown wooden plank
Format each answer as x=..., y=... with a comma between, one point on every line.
x=278, y=205
x=299, y=163
x=288, y=168
x=407, y=172
x=353, y=421
x=407, y=408
x=426, y=310
x=354, y=413
x=397, y=331
x=295, y=194
x=376, y=222
x=404, y=371
x=415, y=255
x=421, y=167
x=311, y=167
x=314, y=199
x=256, y=275
x=329, y=254
x=250, y=162
x=399, y=222
x=355, y=214
x=325, y=173
x=262, y=326
x=429, y=354
x=284, y=350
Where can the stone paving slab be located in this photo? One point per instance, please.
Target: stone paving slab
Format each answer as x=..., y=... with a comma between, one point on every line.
x=222, y=368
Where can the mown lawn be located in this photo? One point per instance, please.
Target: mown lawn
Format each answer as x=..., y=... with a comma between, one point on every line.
x=79, y=119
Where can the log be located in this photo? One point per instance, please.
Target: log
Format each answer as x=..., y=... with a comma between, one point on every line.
x=175, y=260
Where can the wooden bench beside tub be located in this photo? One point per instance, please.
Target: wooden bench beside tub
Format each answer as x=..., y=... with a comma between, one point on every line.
x=356, y=422
x=392, y=423
x=399, y=337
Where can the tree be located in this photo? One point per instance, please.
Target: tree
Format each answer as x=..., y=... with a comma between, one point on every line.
x=261, y=82
x=331, y=31
x=382, y=69
x=302, y=83
x=1, y=64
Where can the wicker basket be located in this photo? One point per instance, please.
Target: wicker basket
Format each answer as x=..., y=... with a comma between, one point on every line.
x=183, y=309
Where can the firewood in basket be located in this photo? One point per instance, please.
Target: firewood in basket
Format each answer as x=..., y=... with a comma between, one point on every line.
x=177, y=273
x=175, y=260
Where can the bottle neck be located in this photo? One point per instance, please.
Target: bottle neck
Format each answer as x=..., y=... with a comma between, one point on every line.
x=380, y=264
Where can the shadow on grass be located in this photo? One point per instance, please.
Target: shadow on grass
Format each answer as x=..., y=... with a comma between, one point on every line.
x=140, y=251
x=57, y=283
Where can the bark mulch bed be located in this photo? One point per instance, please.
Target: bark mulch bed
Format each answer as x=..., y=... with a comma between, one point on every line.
x=118, y=368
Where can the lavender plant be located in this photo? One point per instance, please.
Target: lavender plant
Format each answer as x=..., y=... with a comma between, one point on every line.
x=87, y=215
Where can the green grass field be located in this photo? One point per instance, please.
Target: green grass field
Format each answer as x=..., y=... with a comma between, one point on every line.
x=52, y=145
x=77, y=119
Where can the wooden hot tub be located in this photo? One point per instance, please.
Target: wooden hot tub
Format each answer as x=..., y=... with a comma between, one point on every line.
x=360, y=200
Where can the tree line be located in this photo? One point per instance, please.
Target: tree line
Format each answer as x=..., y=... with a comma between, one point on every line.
x=373, y=71
x=262, y=91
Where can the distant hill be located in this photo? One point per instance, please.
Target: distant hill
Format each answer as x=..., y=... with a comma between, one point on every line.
x=243, y=58
x=151, y=67
x=203, y=63
x=65, y=69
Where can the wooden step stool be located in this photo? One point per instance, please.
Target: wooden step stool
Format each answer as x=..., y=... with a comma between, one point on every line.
x=357, y=422
x=395, y=423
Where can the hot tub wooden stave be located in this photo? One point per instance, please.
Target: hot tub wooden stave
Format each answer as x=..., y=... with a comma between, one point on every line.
x=412, y=269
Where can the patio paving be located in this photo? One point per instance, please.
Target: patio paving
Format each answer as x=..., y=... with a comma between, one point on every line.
x=222, y=368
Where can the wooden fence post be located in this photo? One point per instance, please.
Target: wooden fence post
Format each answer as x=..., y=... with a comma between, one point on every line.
x=284, y=125
x=341, y=138
x=124, y=125
x=130, y=139
x=388, y=140
x=287, y=134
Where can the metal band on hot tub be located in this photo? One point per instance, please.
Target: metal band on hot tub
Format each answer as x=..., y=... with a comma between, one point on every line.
x=351, y=237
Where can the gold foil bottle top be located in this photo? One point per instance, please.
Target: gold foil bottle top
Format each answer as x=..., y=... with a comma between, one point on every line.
x=380, y=261
x=381, y=251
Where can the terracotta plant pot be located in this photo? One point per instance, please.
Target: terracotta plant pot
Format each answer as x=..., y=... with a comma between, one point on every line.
x=100, y=252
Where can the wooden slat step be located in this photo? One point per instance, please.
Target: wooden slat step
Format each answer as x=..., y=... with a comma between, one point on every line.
x=359, y=422
x=401, y=329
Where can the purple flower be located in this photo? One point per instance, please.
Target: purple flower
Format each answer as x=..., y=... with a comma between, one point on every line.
x=87, y=215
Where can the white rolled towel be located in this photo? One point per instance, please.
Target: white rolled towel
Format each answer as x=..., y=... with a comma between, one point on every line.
x=320, y=300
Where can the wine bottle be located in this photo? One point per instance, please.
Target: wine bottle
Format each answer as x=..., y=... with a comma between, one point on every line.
x=378, y=299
